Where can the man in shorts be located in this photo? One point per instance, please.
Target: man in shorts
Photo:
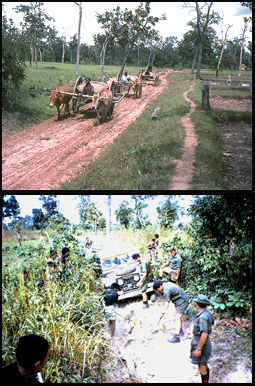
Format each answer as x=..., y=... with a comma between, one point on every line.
x=180, y=299
x=111, y=299
x=200, y=345
x=174, y=269
x=145, y=273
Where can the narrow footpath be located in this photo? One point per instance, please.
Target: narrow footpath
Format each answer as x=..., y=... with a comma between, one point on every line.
x=184, y=166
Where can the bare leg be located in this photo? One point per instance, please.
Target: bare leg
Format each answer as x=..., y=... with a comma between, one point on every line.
x=112, y=327
x=145, y=296
x=178, y=323
x=202, y=369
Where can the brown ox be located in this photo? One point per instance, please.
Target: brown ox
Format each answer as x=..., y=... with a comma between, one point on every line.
x=57, y=99
x=104, y=107
x=137, y=87
x=155, y=77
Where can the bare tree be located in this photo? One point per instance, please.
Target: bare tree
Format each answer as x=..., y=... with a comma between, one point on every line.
x=202, y=21
x=223, y=44
x=79, y=38
x=108, y=219
x=244, y=29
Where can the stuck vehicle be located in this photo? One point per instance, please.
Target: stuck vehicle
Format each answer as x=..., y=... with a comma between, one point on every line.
x=117, y=265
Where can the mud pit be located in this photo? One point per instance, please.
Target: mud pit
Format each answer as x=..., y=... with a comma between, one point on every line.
x=43, y=155
x=142, y=357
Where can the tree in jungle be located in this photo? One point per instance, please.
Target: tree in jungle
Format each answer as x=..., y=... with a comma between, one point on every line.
x=127, y=27
x=219, y=260
x=124, y=214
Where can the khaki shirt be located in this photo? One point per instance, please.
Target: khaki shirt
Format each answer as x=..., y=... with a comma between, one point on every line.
x=203, y=322
x=175, y=261
x=144, y=266
x=174, y=293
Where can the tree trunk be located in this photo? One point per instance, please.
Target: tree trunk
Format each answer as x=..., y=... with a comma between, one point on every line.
x=108, y=219
x=79, y=40
x=199, y=59
x=205, y=98
x=194, y=61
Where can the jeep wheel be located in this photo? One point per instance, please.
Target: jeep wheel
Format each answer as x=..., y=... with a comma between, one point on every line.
x=125, y=271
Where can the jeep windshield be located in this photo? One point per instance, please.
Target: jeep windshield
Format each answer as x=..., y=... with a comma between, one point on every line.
x=116, y=262
x=116, y=256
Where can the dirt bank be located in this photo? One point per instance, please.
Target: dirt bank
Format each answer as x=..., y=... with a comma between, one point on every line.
x=43, y=155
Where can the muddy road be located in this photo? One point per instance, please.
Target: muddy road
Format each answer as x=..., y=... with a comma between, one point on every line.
x=141, y=357
x=43, y=155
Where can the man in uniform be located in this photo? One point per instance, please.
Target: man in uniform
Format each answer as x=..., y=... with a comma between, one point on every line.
x=152, y=250
x=200, y=345
x=145, y=271
x=174, y=269
x=179, y=298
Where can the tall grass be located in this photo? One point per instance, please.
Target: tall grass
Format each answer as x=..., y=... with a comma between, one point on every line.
x=69, y=316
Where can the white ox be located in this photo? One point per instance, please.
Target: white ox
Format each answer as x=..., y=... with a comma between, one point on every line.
x=155, y=77
x=137, y=87
x=103, y=103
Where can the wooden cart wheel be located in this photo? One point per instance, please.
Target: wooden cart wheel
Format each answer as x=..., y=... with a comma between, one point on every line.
x=112, y=87
x=75, y=91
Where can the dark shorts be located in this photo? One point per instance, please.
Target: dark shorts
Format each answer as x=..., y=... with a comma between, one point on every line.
x=205, y=353
x=144, y=285
x=181, y=308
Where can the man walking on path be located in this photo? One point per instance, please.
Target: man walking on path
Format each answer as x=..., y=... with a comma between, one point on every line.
x=180, y=299
x=200, y=345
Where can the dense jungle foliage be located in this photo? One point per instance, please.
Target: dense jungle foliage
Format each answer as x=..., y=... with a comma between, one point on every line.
x=216, y=251
x=217, y=258
x=69, y=313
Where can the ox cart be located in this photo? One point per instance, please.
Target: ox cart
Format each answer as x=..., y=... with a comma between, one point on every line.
x=150, y=77
x=79, y=98
x=120, y=85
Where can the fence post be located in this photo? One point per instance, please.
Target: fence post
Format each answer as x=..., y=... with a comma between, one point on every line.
x=205, y=97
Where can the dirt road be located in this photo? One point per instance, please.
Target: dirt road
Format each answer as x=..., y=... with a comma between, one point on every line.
x=43, y=155
x=142, y=357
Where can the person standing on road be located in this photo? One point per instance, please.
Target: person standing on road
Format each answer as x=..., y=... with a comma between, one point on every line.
x=174, y=269
x=111, y=299
x=180, y=299
x=152, y=250
x=145, y=273
x=201, y=347
x=156, y=236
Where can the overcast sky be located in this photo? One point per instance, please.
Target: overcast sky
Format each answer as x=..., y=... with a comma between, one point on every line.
x=66, y=16
x=68, y=205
